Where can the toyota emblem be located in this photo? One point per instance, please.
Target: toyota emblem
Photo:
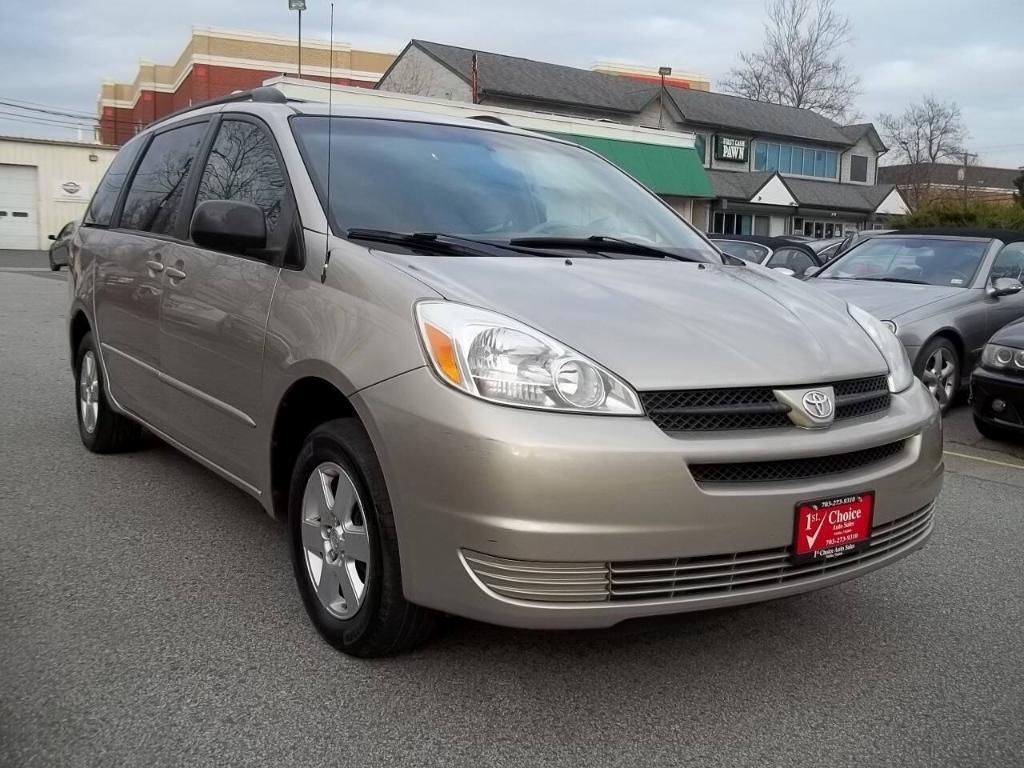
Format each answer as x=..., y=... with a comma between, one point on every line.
x=817, y=404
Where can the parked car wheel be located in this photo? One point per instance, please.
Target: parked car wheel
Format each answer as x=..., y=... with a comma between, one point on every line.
x=938, y=366
x=53, y=267
x=344, y=546
x=102, y=430
x=992, y=432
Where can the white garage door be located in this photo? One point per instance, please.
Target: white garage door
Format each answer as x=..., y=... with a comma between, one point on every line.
x=19, y=225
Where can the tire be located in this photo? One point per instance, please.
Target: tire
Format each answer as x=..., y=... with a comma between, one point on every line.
x=993, y=432
x=938, y=366
x=54, y=267
x=376, y=619
x=101, y=429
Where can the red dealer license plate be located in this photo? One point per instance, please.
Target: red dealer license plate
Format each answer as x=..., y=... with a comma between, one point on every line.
x=833, y=527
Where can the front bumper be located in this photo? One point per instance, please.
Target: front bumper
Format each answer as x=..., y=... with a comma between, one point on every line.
x=988, y=386
x=522, y=489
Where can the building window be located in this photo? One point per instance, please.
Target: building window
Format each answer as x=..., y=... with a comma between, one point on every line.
x=790, y=159
x=858, y=168
x=739, y=224
x=700, y=144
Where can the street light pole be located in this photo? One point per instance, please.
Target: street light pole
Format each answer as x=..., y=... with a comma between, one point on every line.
x=663, y=72
x=300, y=6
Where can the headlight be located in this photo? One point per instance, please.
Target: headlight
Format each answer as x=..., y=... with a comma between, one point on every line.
x=499, y=359
x=901, y=375
x=1002, y=358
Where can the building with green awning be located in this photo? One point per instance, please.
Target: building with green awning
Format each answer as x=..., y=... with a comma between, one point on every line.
x=666, y=170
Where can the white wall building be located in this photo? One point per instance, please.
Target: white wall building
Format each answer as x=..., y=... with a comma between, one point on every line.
x=44, y=184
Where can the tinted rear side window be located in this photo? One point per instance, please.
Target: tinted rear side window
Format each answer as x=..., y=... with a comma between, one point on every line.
x=154, y=197
x=102, y=206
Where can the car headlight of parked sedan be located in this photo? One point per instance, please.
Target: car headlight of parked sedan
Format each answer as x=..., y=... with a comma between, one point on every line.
x=499, y=359
x=901, y=375
x=1000, y=358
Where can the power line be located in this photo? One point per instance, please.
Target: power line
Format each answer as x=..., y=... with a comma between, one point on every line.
x=16, y=118
x=48, y=111
x=69, y=111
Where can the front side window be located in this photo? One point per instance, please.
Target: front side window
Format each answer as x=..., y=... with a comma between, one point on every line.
x=747, y=251
x=910, y=260
x=243, y=166
x=418, y=177
x=103, y=202
x=154, y=197
x=1009, y=263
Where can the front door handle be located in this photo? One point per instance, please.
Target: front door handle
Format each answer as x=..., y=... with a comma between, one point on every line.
x=175, y=274
x=155, y=266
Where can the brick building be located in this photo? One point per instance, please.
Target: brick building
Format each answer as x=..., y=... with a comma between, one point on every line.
x=215, y=63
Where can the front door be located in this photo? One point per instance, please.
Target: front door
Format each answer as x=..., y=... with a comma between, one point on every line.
x=216, y=305
x=1009, y=263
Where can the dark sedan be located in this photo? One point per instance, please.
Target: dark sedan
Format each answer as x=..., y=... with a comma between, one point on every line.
x=58, y=255
x=942, y=292
x=773, y=252
x=997, y=386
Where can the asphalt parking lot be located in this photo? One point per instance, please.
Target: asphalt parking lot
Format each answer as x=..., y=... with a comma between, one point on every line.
x=148, y=617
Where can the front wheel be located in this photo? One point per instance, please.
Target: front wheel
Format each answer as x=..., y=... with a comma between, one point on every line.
x=938, y=366
x=344, y=546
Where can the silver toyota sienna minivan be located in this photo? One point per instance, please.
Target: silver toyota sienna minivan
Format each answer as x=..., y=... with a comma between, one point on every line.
x=483, y=372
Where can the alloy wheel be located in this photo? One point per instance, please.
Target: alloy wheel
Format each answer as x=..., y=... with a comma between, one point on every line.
x=940, y=375
x=89, y=392
x=335, y=542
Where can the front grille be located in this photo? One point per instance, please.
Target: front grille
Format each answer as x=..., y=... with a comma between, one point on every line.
x=704, y=410
x=686, y=578
x=793, y=469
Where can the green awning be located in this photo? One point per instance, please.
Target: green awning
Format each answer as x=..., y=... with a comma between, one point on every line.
x=665, y=170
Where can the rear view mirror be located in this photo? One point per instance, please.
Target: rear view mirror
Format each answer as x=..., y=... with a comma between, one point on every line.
x=1004, y=286
x=229, y=225
x=786, y=271
x=51, y=237
x=811, y=272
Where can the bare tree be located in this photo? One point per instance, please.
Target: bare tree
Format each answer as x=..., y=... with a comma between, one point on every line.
x=801, y=63
x=925, y=133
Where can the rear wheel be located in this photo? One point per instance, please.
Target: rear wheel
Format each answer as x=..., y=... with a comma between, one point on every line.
x=938, y=366
x=344, y=546
x=101, y=429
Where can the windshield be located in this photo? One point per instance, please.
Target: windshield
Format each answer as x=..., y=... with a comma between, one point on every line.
x=910, y=260
x=746, y=251
x=418, y=177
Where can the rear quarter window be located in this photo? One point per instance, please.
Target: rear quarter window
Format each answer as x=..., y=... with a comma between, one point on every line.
x=101, y=209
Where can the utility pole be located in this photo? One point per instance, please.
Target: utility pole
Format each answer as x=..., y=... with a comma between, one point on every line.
x=966, y=156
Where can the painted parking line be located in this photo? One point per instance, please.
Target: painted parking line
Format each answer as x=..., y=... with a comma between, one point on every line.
x=986, y=461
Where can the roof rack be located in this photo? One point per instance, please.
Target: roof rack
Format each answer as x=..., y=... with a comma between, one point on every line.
x=490, y=119
x=264, y=94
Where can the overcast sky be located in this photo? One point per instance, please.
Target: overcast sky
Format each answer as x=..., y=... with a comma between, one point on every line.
x=57, y=52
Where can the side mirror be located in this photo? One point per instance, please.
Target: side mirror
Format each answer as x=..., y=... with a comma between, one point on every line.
x=786, y=271
x=51, y=237
x=811, y=272
x=1004, y=286
x=229, y=225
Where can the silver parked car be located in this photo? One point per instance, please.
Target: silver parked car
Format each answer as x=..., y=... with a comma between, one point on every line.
x=942, y=292
x=483, y=372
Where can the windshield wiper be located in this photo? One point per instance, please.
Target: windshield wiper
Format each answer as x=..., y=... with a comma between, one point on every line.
x=441, y=242
x=894, y=280
x=597, y=243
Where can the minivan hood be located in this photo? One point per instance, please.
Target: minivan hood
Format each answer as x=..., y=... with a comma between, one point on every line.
x=886, y=301
x=664, y=325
